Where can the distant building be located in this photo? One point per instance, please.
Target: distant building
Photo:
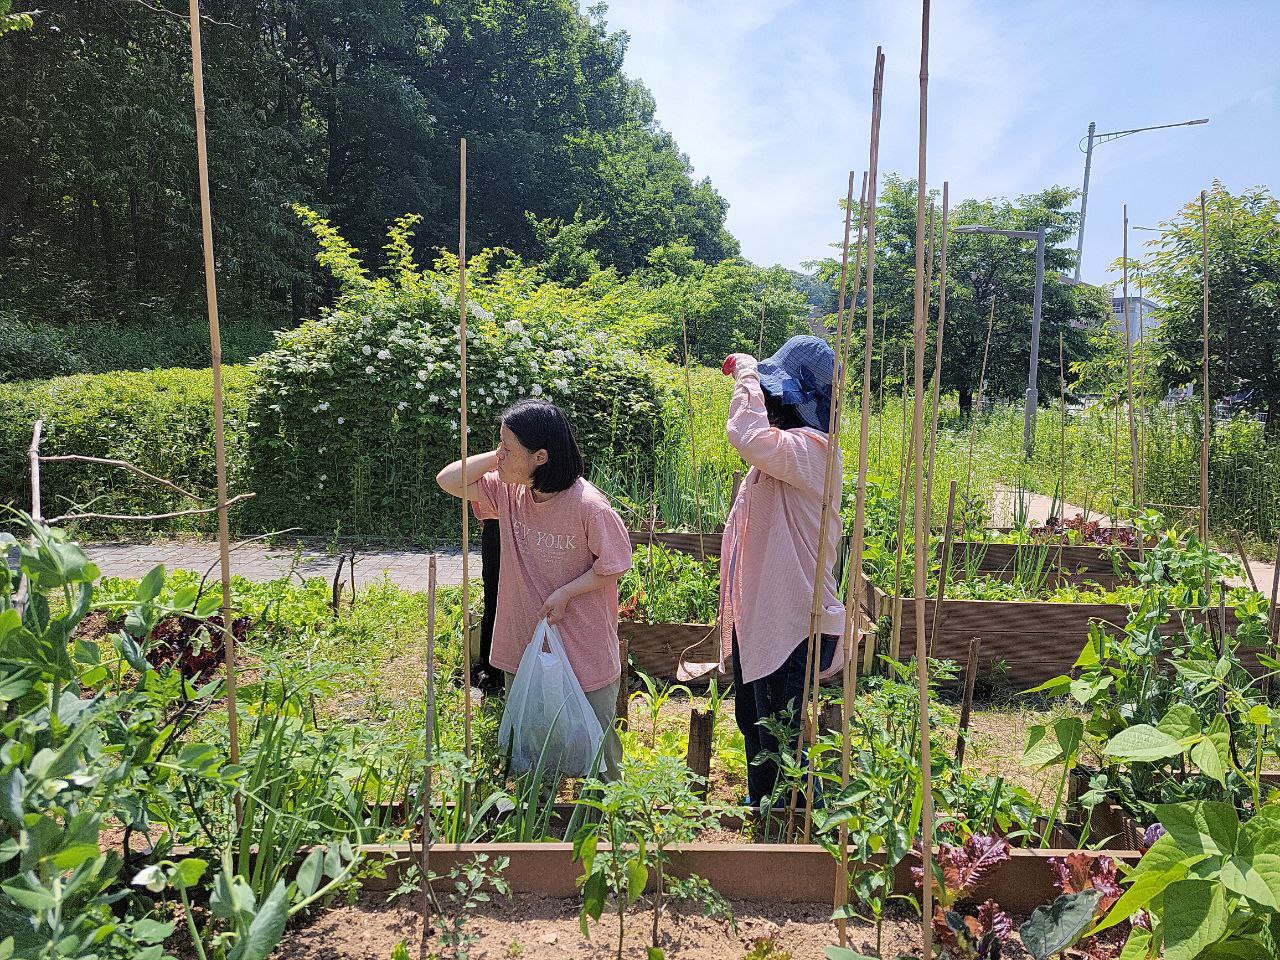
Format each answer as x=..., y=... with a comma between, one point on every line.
x=1142, y=323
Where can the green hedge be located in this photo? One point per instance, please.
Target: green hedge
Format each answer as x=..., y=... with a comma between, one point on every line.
x=34, y=349
x=160, y=420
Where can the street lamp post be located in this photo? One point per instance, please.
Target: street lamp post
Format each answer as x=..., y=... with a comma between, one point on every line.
x=1032, y=397
x=1097, y=138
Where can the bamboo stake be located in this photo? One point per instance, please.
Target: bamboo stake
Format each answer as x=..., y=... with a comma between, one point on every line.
x=873, y=173
x=693, y=443
x=812, y=660
x=1204, y=369
x=917, y=426
x=884, y=345
x=853, y=596
x=1244, y=559
x=937, y=351
x=1273, y=623
x=760, y=347
x=429, y=751
x=938, y=608
x=1142, y=396
x=1062, y=399
x=462, y=422
x=215, y=348
x=907, y=446
x=845, y=338
x=33, y=459
x=1128, y=362
x=973, y=414
x=966, y=704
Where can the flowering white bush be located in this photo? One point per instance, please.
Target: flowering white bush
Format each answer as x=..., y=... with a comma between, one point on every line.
x=367, y=395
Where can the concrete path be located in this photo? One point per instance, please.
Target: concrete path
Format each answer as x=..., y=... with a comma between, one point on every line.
x=258, y=561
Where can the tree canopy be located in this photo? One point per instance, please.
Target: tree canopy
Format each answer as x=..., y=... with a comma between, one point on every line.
x=1244, y=295
x=981, y=270
x=353, y=109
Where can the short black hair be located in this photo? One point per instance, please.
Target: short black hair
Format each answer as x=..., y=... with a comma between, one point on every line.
x=540, y=425
x=781, y=415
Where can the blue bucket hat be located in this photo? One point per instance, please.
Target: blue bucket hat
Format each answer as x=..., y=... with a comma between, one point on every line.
x=801, y=373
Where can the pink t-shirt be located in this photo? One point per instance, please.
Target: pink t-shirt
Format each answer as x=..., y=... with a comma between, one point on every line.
x=545, y=546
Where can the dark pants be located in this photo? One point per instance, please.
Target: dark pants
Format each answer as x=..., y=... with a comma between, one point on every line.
x=777, y=698
x=490, y=561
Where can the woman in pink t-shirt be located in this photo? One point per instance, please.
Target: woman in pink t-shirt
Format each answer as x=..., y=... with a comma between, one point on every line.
x=563, y=549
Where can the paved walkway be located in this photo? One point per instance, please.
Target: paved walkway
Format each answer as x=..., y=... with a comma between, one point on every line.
x=259, y=561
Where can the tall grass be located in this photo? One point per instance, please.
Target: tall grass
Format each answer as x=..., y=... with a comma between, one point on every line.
x=1244, y=468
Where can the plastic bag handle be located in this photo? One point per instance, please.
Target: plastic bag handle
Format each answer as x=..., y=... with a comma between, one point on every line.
x=544, y=632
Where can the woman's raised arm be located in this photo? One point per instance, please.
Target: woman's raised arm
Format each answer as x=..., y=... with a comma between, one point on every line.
x=450, y=478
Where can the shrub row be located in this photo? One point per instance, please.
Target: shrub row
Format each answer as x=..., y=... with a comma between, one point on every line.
x=35, y=349
x=160, y=420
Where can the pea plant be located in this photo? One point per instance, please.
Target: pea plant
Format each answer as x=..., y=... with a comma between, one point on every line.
x=83, y=744
x=638, y=819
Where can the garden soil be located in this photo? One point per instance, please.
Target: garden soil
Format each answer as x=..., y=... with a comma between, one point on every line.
x=542, y=928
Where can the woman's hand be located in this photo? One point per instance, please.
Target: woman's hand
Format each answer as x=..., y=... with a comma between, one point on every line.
x=737, y=364
x=553, y=610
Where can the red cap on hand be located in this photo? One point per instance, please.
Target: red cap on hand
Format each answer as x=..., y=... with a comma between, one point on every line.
x=730, y=366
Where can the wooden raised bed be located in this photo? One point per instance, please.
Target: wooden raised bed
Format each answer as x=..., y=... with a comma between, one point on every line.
x=689, y=543
x=655, y=648
x=1037, y=640
x=803, y=873
x=1064, y=563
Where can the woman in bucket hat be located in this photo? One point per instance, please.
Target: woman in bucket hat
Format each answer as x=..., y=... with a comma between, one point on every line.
x=778, y=422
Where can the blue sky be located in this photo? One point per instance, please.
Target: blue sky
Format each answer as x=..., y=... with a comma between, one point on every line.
x=771, y=100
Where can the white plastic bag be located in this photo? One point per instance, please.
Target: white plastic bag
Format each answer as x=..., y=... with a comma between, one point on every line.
x=548, y=722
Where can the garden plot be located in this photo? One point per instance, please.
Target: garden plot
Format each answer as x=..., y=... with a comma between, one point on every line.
x=332, y=756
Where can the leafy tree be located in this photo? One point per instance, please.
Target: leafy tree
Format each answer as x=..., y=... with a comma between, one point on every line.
x=10, y=22
x=352, y=109
x=980, y=269
x=565, y=254
x=1244, y=295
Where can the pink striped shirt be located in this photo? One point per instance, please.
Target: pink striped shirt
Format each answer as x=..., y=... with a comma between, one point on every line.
x=769, y=546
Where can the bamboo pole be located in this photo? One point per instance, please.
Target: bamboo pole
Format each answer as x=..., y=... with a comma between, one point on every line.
x=215, y=349
x=1062, y=399
x=1204, y=372
x=1128, y=362
x=429, y=757
x=939, y=611
x=937, y=349
x=812, y=660
x=760, y=347
x=917, y=427
x=1273, y=623
x=966, y=703
x=33, y=459
x=973, y=414
x=693, y=443
x=906, y=447
x=873, y=173
x=1142, y=396
x=845, y=337
x=853, y=596
x=884, y=345
x=462, y=440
